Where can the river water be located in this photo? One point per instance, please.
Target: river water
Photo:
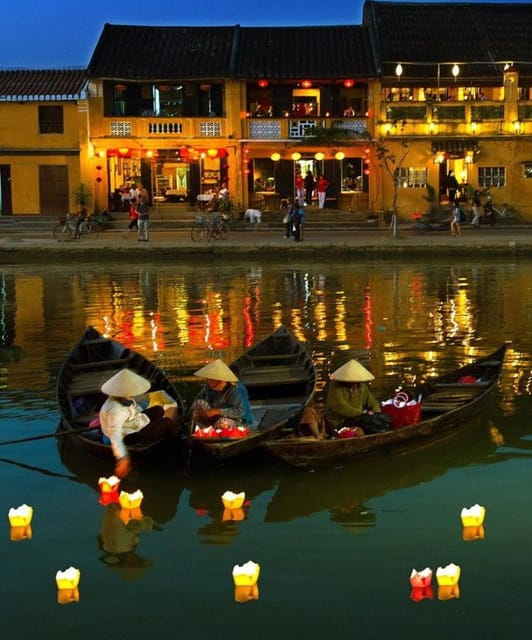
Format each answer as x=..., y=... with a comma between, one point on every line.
x=335, y=546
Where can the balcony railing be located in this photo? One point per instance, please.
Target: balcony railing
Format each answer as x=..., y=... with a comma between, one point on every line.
x=145, y=127
x=296, y=128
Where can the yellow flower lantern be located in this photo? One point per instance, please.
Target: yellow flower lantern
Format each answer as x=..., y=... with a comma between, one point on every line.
x=68, y=579
x=131, y=500
x=126, y=515
x=20, y=516
x=448, y=576
x=233, y=500
x=474, y=516
x=246, y=574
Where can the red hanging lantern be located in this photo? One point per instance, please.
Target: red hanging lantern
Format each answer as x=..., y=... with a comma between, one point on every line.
x=348, y=84
x=306, y=84
x=263, y=84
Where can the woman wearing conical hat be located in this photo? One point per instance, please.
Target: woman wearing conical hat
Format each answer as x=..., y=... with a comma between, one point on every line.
x=124, y=422
x=223, y=401
x=349, y=401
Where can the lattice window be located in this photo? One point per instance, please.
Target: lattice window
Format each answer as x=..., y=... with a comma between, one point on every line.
x=165, y=127
x=210, y=129
x=355, y=126
x=491, y=176
x=300, y=128
x=411, y=178
x=121, y=129
x=265, y=129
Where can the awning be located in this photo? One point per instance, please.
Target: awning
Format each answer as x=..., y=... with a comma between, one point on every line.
x=454, y=146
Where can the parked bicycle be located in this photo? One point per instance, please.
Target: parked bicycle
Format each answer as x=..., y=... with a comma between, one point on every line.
x=66, y=228
x=506, y=213
x=214, y=227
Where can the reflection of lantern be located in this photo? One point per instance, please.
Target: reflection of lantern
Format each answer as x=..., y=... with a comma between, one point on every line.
x=417, y=594
x=126, y=515
x=67, y=579
x=233, y=500
x=449, y=575
x=212, y=153
x=131, y=500
x=275, y=157
x=474, y=516
x=448, y=592
x=66, y=596
x=473, y=533
x=296, y=156
x=20, y=516
x=319, y=156
x=263, y=84
x=421, y=578
x=205, y=87
x=246, y=574
x=246, y=593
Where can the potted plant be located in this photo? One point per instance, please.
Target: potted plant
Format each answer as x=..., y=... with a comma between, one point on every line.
x=82, y=195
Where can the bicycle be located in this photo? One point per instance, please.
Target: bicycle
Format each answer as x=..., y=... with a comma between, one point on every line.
x=507, y=214
x=66, y=228
x=213, y=228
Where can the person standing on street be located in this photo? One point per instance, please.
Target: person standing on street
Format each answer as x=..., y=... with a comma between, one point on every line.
x=322, y=185
x=310, y=185
x=143, y=209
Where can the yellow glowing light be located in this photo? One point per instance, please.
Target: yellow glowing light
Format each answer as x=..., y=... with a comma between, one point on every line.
x=296, y=156
x=474, y=516
x=339, y=155
x=108, y=485
x=67, y=579
x=131, y=500
x=319, y=156
x=20, y=516
x=275, y=157
x=246, y=574
x=449, y=575
x=233, y=500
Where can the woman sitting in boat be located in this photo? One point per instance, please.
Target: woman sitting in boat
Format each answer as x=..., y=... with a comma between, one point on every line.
x=124, y=422
x=223, y=401
x=349, y=404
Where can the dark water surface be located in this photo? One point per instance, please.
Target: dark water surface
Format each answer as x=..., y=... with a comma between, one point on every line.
x=335, y=546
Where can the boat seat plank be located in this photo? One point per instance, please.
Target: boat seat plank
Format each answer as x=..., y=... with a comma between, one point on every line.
x=440, y=407
x=278, y=375
x=90, y=382
x=98, y=364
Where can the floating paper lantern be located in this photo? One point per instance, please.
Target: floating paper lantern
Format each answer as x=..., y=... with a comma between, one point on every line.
x=449, y=575
x=131, y=500
x=16, y=534
x=421, y=578
x=246, y=593
x=20, y=516
x=67, y=579
x=109, y=485
x=448, y=592
x=233, y=514
x=417, y=594
x=246, y=574
x=66, y=596
x=473, y=533
x=233, y=500
x=474, y=516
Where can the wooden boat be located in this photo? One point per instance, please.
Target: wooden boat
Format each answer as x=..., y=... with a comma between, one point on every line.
x=92, y=361
x=280, y=377
x=447, y=402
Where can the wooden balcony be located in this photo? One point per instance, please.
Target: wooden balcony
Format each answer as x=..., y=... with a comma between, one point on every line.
x=295, y=128
x=154, y=128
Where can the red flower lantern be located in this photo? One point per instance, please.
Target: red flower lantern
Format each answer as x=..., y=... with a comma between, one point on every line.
x=348, y=84
x=306, y=84
x=263, y=84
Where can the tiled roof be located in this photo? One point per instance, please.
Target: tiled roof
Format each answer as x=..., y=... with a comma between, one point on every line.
x=50, y=84
x=130, y=52
x=451, y=32
x=162, y=53
x=298, y=52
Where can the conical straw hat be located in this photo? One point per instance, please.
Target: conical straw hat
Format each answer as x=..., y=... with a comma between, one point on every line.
x=352, y=371
x=216, y=370
x=126, y=383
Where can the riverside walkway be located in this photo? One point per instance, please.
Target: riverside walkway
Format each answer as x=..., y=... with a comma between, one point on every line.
x=24, y=242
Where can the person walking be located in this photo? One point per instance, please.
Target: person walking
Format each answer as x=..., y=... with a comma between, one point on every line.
x=452, y=186
x=143, y=209
x=322, y=185
x=300, y=188
x=456, y=219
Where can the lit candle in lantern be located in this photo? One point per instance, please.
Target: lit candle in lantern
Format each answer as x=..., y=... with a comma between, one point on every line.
x=20, y=516
x=68, y=579
x=246, y=574
x=131, y=500
x=421, y=578
x=474, y=516
x=233, y=500
x=449, y=575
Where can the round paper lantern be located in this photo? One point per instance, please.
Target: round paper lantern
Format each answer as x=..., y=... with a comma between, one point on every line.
x=339, y=155
x=275, y=157
x=319, y=155
x=263, y=84
x=296, y=156
x=349, y=83
x=212, y=153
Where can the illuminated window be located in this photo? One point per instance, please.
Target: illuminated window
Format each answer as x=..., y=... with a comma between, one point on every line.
x=411, y=178
x=491, y=176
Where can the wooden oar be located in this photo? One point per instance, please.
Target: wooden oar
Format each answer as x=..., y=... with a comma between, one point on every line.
x=56, y=434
